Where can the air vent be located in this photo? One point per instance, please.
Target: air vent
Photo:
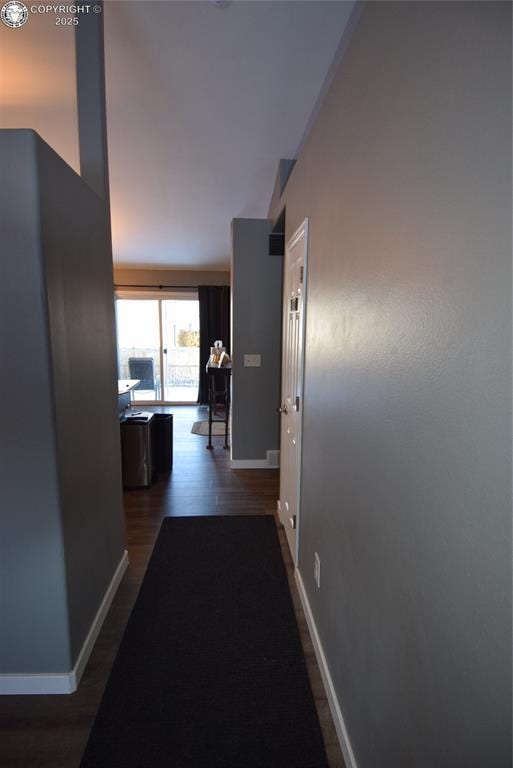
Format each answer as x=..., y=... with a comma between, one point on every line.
x=276, y=244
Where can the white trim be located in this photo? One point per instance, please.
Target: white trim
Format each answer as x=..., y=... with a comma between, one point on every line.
x=83, y=656
x=66, y=682
x=301, y=233
x=24, y=685
x=273, y=458
x=271, y=462
x=331, y=695
x=249, y=464
x=161, y=378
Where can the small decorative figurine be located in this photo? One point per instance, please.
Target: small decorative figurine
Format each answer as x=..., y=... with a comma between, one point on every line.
x=218, y=355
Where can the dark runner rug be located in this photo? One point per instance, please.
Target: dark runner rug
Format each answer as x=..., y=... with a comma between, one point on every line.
x=210, y=672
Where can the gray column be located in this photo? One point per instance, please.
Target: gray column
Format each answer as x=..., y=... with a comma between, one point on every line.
x=92, y=122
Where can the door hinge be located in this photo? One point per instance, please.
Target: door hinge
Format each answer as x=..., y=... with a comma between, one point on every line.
x=294, y=304
x=298, y=400
x=293, y=522
x=301, y=274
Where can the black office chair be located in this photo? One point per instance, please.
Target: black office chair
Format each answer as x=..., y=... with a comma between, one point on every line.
x=142, y=368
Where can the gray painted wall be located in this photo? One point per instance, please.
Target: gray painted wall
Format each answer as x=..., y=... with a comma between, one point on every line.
x=62, y=518
x=406, y=493
x=33, y=602
x=256, y=327
x=79, y=284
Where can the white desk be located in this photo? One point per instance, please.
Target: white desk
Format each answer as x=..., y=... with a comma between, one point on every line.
x=127, y=385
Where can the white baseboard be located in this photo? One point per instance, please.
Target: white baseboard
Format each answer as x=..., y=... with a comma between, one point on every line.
x=271, y=462
x=249, y=464
x=66, y=682
x=83, y=656
x=336, y=713
x=273, y=458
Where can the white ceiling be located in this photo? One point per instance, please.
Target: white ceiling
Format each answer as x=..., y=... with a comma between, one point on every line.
x=202, y=102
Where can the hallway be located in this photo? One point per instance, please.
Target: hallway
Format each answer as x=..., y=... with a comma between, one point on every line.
x=51, y=731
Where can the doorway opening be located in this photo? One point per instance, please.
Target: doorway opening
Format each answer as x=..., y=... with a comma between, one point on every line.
x=158, y=343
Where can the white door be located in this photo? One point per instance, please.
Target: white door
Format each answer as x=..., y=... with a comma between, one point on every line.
x=292, y=384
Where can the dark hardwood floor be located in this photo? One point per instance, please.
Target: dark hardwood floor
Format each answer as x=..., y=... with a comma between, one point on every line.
x=51, y=731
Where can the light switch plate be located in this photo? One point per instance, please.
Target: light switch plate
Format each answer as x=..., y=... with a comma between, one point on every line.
x=252, y=361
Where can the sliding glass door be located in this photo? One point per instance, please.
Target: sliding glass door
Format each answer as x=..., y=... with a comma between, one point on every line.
x=138, y=333
x=158, y=343
x=180, y=330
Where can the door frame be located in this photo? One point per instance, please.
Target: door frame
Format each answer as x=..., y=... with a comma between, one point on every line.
x=301, y=232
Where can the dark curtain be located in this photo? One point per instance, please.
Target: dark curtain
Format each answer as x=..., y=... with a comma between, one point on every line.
x=214, y=310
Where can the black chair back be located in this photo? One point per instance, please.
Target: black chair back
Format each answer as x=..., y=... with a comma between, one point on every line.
x=142, y=368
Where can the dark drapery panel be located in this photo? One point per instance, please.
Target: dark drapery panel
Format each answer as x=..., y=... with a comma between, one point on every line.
x=214, y=310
